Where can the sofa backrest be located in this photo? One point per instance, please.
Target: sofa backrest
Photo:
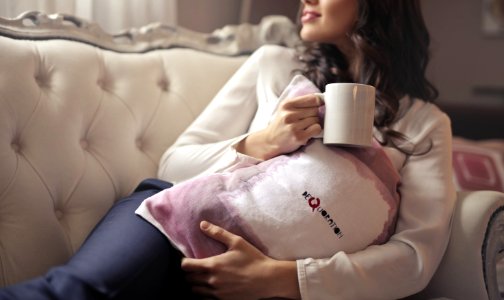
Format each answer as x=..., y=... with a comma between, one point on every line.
x=81, y=126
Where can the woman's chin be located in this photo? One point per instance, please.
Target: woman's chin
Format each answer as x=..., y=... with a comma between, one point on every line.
x=308, y=36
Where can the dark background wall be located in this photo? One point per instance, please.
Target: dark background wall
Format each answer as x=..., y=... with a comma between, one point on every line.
x=213, y=14
x=467, y=65
x=465, y=60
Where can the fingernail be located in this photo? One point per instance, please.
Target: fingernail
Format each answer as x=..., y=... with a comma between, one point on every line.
x=204, y=225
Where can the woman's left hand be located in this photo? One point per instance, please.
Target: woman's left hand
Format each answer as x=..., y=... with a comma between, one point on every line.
x=242, y=272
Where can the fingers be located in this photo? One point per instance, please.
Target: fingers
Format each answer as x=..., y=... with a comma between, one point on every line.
x=199, y=278
x=307, y=129
x=218, y=233
x=215, y=232
x=300, y=108
x=313, y=130
x=195, y=265
x=304, y=124
x=306, y=101
x=294, y=116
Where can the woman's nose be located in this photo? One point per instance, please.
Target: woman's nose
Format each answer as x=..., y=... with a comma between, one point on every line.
x=309, y=1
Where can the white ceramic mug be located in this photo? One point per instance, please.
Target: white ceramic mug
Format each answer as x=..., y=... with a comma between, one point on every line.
x=349, y=114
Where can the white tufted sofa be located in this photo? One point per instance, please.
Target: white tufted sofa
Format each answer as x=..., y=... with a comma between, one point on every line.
x=81, y=126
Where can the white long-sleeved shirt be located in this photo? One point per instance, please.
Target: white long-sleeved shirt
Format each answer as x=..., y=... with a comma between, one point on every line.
x=396, y=269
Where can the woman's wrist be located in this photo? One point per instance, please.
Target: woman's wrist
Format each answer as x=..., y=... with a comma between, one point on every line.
x=283, y=280
x=256, y=145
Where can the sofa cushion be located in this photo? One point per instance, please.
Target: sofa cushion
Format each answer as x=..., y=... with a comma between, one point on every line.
x=478, y=165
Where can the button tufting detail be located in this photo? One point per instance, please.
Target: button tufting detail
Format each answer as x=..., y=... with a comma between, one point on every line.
x=139, y=143
x=16, y=147
x=84, y=144
x=59, y=214
x=42, y=81
x=101, y=83
x=163, y=84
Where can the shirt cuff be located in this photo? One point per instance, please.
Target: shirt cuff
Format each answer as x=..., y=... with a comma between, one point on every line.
x=309, y=282
x=244, y=157
x=302, y=280
x=233, y=159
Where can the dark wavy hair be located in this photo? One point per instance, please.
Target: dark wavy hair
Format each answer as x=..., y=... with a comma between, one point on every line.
x=392, y=44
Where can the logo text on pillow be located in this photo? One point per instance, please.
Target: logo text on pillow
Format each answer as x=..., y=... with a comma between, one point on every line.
x=314, y=203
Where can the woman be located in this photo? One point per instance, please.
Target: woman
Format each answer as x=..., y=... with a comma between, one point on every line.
x=382, y=43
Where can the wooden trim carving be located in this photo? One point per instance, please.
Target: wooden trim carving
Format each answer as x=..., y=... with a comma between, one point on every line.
x=229, y=40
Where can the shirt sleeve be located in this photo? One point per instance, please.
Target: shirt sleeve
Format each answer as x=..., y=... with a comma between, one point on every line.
x=206, y=146
x=405, y=264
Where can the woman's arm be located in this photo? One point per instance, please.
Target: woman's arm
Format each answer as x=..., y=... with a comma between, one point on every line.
x=223, y=122
x=244, y=104
x=405, y=264
x=396, y=269
x=295, y=122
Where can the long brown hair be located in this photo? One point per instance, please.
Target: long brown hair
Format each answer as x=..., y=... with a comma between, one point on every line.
x=392, y=44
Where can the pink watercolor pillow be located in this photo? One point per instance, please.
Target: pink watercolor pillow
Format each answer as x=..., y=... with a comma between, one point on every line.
x=311, y=203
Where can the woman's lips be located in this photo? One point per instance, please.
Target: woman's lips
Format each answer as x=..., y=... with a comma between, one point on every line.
x=309, y=16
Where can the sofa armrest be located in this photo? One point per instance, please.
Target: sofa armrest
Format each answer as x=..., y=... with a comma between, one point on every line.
x=468, y=269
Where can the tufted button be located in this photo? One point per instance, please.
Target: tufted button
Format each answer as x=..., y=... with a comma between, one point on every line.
x=139, y=143
x=163, y=84
x=100, y=83
x=16, y=147
x=84, y=144
x=42, y=81
x=59, y=214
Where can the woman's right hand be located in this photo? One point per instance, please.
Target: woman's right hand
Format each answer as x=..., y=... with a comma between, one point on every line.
x=295, y=122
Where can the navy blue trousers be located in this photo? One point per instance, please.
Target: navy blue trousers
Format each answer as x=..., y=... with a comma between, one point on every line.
x=124, y=257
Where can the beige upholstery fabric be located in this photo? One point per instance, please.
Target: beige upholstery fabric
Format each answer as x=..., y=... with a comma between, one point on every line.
x=477, y=230
x=80, y=127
